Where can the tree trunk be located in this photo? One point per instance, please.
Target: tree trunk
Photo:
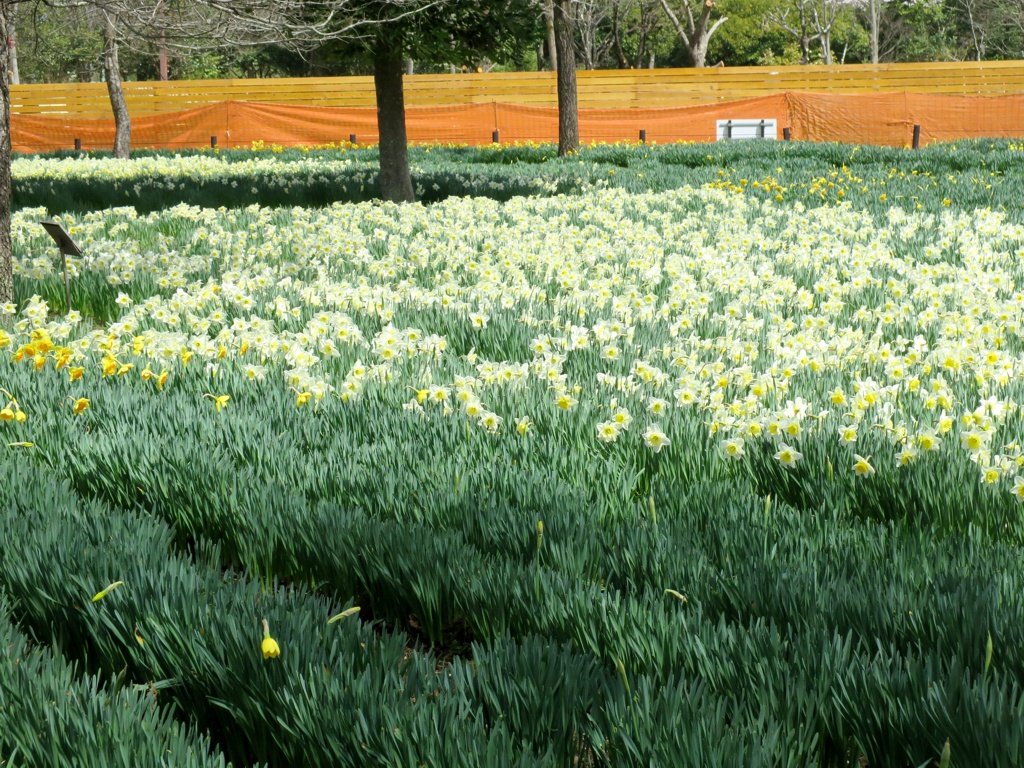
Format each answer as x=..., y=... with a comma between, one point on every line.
x=549, y=21
x=13, y=65
x=568, y=114
x=6, y=262
x=874, y=7
x=410, y=65
x=122, y=120
x=699, y=53
x=620, y=55
x=163, y=57
x=395, y=180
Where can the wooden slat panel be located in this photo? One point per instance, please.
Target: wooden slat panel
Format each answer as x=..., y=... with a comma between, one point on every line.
x=605, y=88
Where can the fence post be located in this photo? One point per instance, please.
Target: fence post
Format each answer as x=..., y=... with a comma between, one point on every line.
x=786, y=135
x=78, y=145
x=917, y=137
x=351, y=138
x=643, y=135
x=213, y=142
x=496, y=136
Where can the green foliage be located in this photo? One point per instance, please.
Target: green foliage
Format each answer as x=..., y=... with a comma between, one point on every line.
x=805, y=635
x=979, y=173
x=678, y=606
x=747, y=39
x=51, y=715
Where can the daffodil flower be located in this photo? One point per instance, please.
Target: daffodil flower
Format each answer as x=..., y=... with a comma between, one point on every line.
x=655, y=439
x=219, y=401
x=270, y=648
x=862, y=466
x=343, y=615
x=104, y=592
x=788, y=456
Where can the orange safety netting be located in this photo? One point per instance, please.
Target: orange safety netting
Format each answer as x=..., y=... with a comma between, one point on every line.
x=884, y=118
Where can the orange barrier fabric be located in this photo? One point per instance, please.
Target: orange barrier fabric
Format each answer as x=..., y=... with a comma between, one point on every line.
x=885, y=118
x=597, y=88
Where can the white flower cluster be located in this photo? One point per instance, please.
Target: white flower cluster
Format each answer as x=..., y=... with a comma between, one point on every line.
x=765, y=320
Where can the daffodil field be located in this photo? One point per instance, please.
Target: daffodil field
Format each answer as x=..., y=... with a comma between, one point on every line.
x=716, y=460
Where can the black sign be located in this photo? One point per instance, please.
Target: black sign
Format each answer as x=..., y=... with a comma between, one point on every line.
x=61, y=238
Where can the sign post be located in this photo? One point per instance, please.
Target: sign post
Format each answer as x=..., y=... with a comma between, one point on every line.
x=67, y=248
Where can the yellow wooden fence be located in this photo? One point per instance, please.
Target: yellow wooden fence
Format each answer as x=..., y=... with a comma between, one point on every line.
x=606, y=89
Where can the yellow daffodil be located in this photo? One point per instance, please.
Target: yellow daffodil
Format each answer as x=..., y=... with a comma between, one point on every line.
x=80, y=405
x=270, y=648
x=219, y=401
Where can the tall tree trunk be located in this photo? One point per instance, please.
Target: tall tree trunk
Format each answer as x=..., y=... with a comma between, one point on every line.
x=549, y=21
x=12, y=42
x=620, y=55
x=6, y=262
x=568, y=113
x=641, y=48
x=122, y=120
x=163, y=57
x=874, y=12
x=395, y=180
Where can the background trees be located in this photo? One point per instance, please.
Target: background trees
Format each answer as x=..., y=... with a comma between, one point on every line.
x=65, y=44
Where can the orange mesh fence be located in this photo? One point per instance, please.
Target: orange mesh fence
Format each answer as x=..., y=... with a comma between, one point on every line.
x=883, y=118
